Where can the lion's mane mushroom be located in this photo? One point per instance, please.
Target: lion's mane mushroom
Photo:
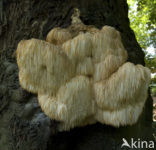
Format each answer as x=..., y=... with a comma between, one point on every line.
x=82, y=77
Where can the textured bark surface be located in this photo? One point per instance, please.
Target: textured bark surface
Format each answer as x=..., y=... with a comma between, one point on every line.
x=23, y=125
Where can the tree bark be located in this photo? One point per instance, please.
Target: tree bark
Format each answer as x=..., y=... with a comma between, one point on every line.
x=23, y=125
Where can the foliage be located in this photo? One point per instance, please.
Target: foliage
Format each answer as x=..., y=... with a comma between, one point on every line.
x=151, y=63
x=153, y=91
x=153, y=80
x=143, y=21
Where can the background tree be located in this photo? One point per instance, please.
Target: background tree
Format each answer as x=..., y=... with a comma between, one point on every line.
x=143, y=22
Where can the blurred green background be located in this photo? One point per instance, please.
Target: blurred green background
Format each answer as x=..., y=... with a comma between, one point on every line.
x=142, y=15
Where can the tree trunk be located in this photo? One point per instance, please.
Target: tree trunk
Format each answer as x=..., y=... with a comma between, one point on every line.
x=23, y=125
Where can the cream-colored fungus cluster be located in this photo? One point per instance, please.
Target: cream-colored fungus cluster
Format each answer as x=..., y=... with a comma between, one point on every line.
x=81, y=76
